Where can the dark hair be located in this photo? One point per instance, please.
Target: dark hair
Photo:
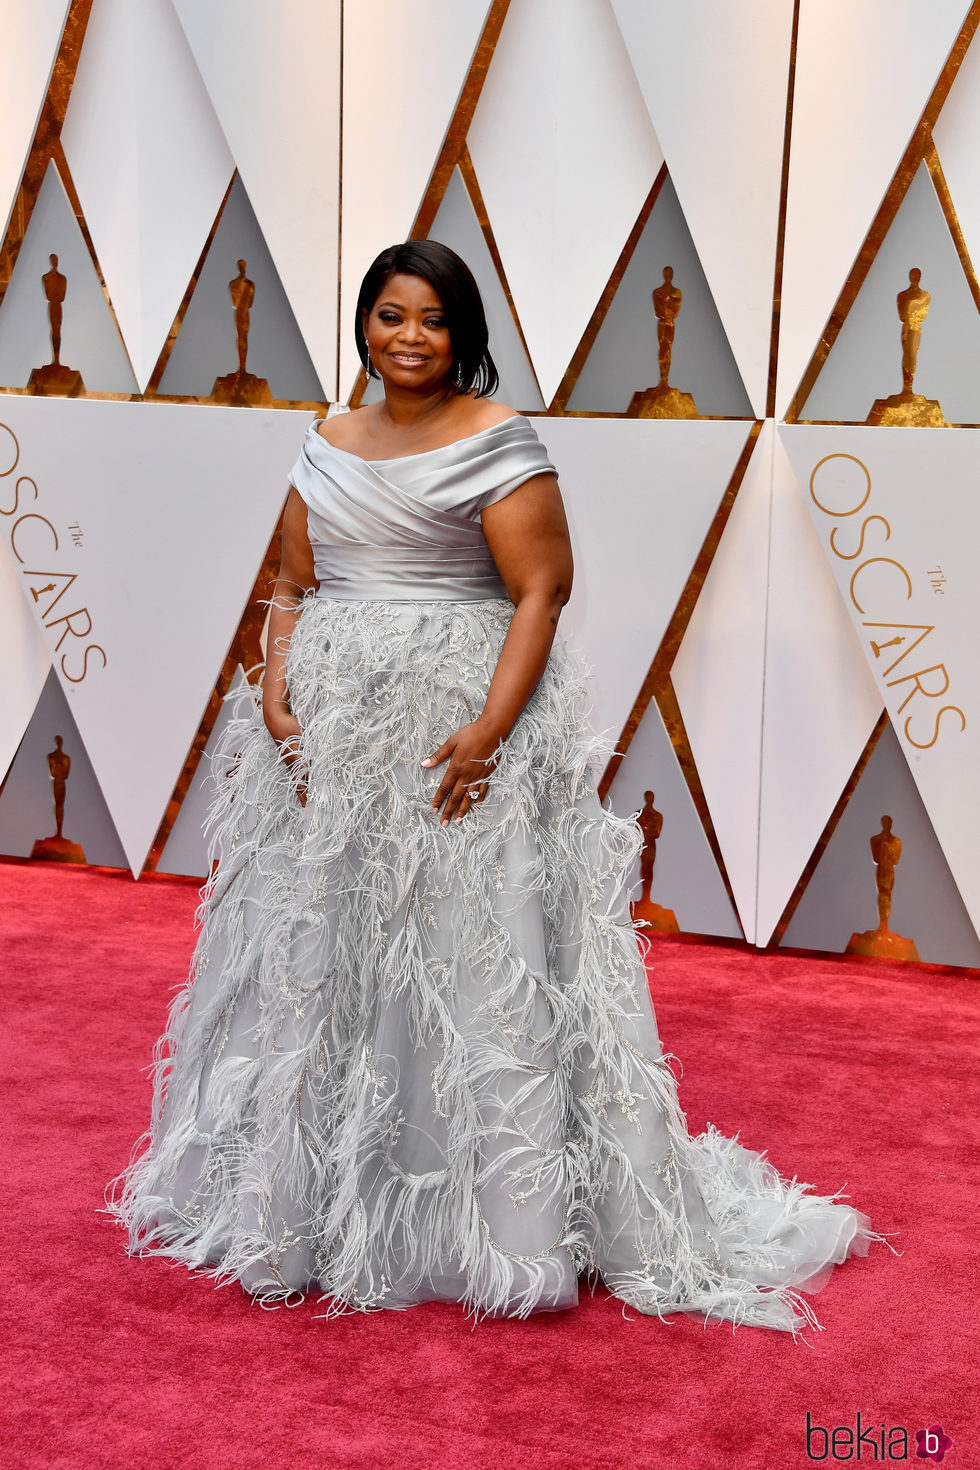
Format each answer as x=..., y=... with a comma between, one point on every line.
x=452, y=279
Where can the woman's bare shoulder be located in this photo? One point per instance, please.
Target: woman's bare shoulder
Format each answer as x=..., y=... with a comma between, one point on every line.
x=343, y=430
x=485, y=412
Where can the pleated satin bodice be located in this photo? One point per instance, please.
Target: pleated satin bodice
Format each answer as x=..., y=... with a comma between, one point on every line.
x=409, y=528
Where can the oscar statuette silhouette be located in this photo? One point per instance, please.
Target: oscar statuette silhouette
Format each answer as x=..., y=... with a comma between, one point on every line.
x=242, y=389
x=663, y=401
x=910, y=409
x=58, y=849
x=645, y=912
x=881, y=943
x=55, y=380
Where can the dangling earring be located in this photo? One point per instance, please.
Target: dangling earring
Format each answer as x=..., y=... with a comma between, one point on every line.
x=460, y=375
x=368, y=364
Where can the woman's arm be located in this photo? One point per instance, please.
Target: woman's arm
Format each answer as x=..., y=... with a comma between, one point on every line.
x=528, y=538
x=296, y=578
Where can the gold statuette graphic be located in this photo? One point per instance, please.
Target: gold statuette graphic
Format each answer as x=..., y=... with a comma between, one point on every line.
x=58, y=849
x=881, y=943
x=55, y=380
x=664, y=402
x=645, y=912
x=242, y=389
x=908, y=408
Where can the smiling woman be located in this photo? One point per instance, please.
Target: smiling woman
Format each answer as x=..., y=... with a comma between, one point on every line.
x=419, y=287
x=417, y=1057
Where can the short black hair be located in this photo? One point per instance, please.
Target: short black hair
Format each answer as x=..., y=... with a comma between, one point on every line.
x=452, y=279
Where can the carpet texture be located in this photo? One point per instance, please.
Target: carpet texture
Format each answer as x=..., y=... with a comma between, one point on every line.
x=848, y=1073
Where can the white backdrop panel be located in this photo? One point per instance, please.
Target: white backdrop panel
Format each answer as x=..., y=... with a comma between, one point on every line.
x=273, y=75
x=138, y=100
x=714, y=76
x=31, y=37
x=388, y=47
x=149, y=526
x=25, y=655
x=565, y=154
x=820, y=702
x=863, y=76
x=904, y=500
x=640, y=495
x=718, y=678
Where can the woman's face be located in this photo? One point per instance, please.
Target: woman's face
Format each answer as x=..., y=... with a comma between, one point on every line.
x=407, y=335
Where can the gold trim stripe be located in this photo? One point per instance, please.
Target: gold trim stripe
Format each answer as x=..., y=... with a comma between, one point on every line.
x=777, y=284
x=453, y=147
x=46, y=135
x=472, y=185
x=949, y=211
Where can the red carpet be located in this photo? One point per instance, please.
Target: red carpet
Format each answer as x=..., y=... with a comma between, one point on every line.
x=849, y=1073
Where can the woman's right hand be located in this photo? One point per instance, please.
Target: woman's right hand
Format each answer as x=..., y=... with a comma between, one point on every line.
x=286, y=732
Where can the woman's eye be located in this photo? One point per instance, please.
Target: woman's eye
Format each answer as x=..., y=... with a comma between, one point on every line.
x=436, y=325
x=388, y=316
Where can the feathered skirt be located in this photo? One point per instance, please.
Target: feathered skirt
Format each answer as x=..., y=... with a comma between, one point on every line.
x=417, y=1062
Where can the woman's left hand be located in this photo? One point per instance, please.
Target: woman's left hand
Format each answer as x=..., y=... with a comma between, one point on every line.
x=470, y=755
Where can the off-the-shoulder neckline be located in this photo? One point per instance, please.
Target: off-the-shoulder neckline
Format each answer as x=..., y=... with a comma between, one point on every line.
x=396, y=458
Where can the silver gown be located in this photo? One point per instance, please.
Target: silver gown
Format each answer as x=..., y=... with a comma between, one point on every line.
x=417, y=1062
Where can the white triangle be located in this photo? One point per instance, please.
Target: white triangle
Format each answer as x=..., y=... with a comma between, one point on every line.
x=863, y=77
x=90, y=341
x=718, y=676
x=394, y=126
x=26, y=660
x=273, y=75
x=715, y=84
x=565, y=155
x=641, y=495
x=138, y=99
x=955, y=136
x=151, y=526
x=31, y=38
x=820, y=701
x=914, y=573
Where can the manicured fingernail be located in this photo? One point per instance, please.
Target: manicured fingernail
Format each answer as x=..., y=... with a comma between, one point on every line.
x=426, y=761
x=445, y=822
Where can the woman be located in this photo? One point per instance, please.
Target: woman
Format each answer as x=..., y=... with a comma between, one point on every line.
x=417, y=1058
